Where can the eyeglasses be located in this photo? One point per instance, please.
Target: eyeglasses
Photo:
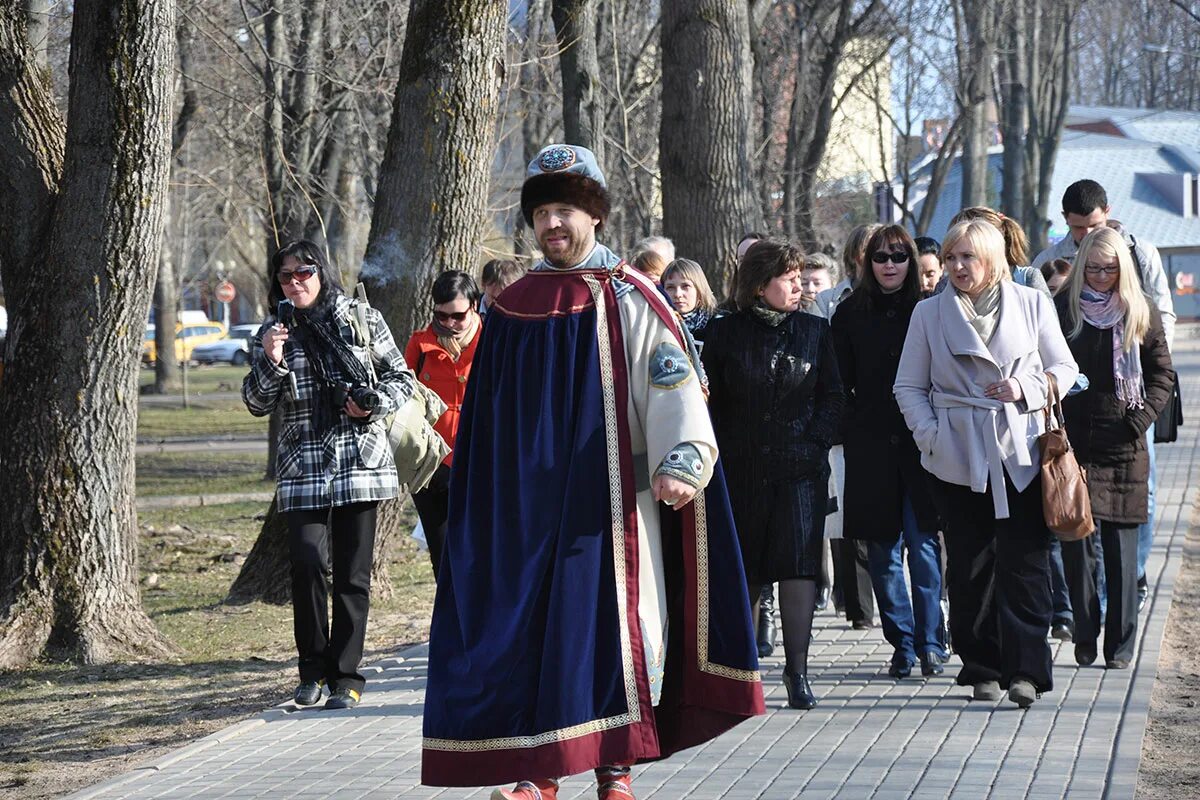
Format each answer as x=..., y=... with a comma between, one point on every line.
x=1096, y=269
x=446, y=316
x=301, y=274
x=880, y=257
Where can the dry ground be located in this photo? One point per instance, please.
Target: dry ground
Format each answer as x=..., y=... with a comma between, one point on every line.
x=66, y=726
x=1170, y=768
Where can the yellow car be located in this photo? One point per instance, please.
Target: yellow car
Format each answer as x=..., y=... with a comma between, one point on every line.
x=187, y=338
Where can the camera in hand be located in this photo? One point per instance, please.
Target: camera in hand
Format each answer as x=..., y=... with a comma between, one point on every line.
x=364, y=397
x=285, y=313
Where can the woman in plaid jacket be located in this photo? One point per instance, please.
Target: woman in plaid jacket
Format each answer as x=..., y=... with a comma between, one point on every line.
x=333, y=464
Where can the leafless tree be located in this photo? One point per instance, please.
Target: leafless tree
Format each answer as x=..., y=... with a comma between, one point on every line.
x=78, y=277
x=977, y=25
x=704, y=145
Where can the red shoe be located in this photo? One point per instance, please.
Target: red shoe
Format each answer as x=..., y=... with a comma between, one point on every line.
x=614, y=784
x=615, y=790
x=528, y=790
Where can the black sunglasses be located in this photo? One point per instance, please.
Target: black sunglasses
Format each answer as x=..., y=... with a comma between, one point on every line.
x=446, y=316
x=301, y=274
x=880, y=257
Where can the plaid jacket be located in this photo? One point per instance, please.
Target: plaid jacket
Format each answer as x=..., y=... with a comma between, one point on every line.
x=352, y=462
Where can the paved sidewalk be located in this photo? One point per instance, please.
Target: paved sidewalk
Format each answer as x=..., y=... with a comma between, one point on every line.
x=871, y=737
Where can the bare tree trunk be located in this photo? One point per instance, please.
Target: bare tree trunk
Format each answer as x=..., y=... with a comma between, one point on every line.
x=584, y=108
x=709, y=198
x=81, y=279
x=977, y=48
x=166, y=304
x=166, y=285
x=937, y=175
x=1048, y=113
x=37, y=14
x=1013, y=102
x=433, y=182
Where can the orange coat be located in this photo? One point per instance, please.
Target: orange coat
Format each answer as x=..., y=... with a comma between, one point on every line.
x=445, y=376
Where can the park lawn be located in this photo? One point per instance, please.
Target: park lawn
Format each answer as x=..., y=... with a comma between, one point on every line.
x=67, y=726
x=204, y=418
x=204, y=380
x=201, y=472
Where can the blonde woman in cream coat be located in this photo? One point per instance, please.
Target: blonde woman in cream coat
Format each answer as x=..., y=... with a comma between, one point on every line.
x=972, y=385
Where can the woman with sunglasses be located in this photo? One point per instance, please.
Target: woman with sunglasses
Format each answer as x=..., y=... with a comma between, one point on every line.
x=333, y=387
x=887, y=501
x=441, y=356
x=1117, y=338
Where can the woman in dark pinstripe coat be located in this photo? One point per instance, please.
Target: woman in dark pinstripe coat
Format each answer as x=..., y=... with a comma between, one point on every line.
x=334, y=383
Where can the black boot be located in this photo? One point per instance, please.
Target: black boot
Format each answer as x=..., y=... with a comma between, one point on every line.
x=766, y=621
x=799, y=690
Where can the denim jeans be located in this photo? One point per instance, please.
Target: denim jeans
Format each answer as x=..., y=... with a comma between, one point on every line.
x=1145, y=536
x=1058, y=587
x=910, y=626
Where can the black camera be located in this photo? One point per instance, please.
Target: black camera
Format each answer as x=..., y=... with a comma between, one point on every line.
x=285, y=313
x=364, y=397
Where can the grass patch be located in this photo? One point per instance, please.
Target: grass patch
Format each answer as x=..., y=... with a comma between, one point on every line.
x=67, y=726
x=206, y=418
x=201, y=473
x=205, y=379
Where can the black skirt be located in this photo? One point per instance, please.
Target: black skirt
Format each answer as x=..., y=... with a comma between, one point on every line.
x=780, y=527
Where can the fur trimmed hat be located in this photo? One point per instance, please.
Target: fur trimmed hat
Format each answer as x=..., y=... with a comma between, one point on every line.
x=565, y=173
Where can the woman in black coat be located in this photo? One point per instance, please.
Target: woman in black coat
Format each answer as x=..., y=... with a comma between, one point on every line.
x=1117, y=338
x=887, y=502
x=776, y=399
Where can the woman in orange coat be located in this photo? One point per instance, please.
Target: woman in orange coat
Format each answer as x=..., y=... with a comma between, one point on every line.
x=441, y=357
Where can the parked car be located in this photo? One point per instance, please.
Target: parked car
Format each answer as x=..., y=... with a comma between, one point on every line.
x=233, y=349
x=187, y=338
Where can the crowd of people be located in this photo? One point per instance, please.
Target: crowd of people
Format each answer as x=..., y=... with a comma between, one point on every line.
x=643, y=473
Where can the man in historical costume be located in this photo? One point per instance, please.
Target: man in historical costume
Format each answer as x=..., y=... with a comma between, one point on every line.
x=592, y=609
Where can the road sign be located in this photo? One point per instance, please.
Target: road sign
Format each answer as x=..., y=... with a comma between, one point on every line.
x=225, y=292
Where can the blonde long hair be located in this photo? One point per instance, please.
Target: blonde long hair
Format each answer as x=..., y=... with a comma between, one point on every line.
x=1107, y=243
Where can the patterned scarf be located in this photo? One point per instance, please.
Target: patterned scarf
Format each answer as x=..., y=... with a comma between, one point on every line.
x=1106, y=310
x=454, y=342
x=331, y=358
x=696, y=319
x=769, y=315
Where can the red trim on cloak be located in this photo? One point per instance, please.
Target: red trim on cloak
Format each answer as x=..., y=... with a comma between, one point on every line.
x=708, y=704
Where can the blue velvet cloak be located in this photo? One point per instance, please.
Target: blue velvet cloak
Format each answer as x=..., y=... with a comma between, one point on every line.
x=536, y=666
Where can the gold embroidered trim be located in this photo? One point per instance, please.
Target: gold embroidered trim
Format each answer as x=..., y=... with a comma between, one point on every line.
x=562, y=313
x=614, y=490
x=522, y=742
x=751, y=675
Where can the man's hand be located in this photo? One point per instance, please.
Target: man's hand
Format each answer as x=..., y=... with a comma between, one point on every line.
x=672, y=491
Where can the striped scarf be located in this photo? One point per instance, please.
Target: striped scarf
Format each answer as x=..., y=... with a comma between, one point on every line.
x=1106, y=310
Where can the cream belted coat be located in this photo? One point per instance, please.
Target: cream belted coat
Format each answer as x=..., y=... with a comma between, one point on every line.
x=964, y=437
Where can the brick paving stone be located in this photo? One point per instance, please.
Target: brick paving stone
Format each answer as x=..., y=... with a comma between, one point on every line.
x=871, y=737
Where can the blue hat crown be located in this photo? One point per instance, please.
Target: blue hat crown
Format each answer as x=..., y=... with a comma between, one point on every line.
x=566, y=158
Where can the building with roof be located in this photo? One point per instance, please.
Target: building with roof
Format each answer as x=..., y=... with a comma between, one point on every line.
x=1149, y=164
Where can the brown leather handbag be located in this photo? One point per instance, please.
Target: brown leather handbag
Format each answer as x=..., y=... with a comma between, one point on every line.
x=1065, y=500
